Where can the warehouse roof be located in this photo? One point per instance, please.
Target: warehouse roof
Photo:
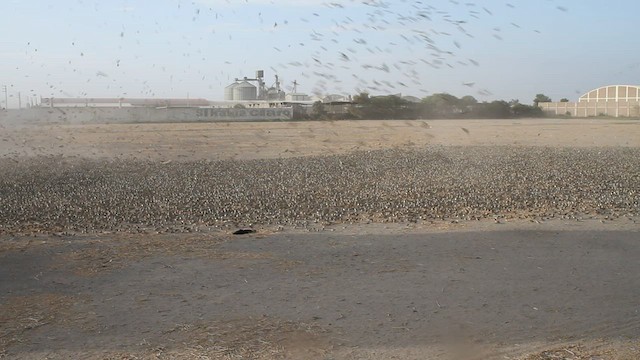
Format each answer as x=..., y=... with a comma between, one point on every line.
x=613, y=93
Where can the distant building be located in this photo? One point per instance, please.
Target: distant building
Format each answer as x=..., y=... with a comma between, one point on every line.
x=297, y=97
x=121, y=102
x=613, y=100
x=333, y=98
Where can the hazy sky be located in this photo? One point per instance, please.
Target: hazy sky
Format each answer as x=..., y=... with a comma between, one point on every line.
x=168, y=48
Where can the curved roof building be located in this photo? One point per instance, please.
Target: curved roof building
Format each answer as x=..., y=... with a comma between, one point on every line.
x=613, y=93
x=611, y=100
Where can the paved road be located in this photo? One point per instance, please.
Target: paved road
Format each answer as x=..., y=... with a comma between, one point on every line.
x=360, y=296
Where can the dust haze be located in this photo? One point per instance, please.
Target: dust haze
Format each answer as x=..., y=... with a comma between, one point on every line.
x=155, y=205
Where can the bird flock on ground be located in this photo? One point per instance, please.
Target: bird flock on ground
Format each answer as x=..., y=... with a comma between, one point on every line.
x=452, y=184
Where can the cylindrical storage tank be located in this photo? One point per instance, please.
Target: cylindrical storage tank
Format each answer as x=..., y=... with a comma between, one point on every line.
x=272, y=94
x=228, y=91
x=245, y=91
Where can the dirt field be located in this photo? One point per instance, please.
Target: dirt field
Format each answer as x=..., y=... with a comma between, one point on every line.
x=490, y=289
x=287, y=139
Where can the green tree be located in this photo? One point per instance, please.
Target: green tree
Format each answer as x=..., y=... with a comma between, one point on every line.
x=495, y=110
x=382, y=107
x=362, y=98
x=467, y=106
x=522, y=110
x=541, y=98
x=318, y=111
x=239, y=106
x=359, y=107
x=564, y=100
x=441, y=105
x=468, y=101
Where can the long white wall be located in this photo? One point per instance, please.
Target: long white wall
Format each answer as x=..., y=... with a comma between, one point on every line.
x=140, y=115
x=622, y=108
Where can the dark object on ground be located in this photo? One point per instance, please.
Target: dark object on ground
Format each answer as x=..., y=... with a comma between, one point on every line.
x=243, y=231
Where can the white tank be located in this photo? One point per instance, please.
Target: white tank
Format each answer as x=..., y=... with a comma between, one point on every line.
x=228, y=91
x=245, y=91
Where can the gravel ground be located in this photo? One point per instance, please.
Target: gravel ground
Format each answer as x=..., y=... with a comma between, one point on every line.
x=62, y=194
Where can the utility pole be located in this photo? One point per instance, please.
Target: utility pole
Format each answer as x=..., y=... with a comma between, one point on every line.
x=6, y=97
x=19, y=101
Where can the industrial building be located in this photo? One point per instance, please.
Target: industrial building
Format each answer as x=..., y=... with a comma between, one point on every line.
x=247, y=92
x=120, y=102
x=244, y=90
x=247, y=99
x=613, y=100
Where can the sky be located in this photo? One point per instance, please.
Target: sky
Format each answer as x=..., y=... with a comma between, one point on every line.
x=492, y=49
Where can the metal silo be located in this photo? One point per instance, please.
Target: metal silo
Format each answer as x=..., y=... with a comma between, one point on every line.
x=228, y=91
x=245, y=91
